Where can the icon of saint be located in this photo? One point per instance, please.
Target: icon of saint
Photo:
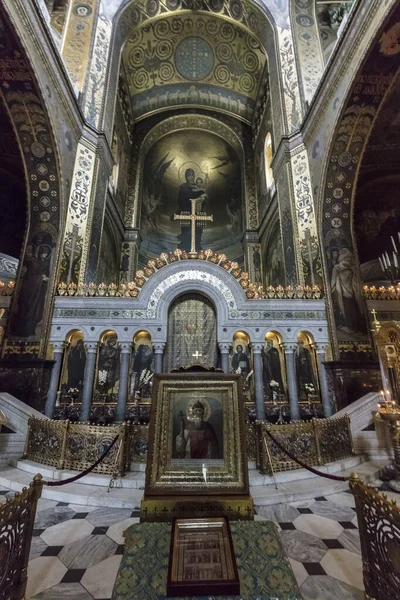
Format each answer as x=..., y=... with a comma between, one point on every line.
x=197, y=438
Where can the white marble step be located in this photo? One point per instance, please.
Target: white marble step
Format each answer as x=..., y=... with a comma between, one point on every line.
x=74, y=493
x=123, y=497
x=132, y=480
x=135, y=478
x=257, y=479
x=306, y=489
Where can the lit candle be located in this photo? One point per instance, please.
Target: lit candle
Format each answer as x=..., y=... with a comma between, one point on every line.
x=387, y=259
x=384, y=261
x=394, y=245
x=381, y=263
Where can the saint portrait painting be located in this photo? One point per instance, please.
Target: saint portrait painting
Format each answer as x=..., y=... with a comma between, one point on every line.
x=197, y=428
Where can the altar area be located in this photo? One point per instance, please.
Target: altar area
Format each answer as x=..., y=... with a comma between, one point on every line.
x=184, y=310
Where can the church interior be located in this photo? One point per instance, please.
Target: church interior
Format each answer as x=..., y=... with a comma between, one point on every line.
x=199, y=299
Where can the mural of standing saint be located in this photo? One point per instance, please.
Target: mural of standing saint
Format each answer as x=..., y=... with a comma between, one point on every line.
x=33, y=287
x=190, y=165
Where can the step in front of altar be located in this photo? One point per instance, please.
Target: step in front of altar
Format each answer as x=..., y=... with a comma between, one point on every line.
x=292, y=490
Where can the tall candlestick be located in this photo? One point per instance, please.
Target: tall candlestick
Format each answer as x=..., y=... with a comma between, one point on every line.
x=396, y=262
x=384, y=261
x=381, y=263
x=394, y=245
x=387, y=259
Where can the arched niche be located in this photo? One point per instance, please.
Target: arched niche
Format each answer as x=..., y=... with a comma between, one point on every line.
x=24, y=104
x=346, y=309
x=247, y=15
x=192, y=332
x=73, y=368
x=274, y=368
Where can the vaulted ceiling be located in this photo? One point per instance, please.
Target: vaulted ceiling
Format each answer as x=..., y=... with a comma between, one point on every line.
x=193, y=60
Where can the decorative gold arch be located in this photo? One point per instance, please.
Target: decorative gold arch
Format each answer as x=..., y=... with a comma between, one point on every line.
x=367, y=95
x=22, y=98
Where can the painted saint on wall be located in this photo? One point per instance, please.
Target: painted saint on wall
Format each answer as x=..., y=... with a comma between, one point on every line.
x=305, y=368
x=272, y=367
x=109, y=365
x=142, y=367
x=184, y=166
x=74, y=364
x=32, y=287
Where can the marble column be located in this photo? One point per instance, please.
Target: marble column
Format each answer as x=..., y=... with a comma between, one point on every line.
x=126, y=349
x=58, y=348
x=91, y=350
x=258, y=381
x=158, y=358
x=224, y=349
x=292, y=381
x=323, y=381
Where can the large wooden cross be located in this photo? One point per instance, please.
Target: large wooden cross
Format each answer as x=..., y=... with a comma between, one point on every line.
x=194, y=220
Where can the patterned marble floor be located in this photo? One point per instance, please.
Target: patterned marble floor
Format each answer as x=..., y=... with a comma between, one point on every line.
x=76, y=550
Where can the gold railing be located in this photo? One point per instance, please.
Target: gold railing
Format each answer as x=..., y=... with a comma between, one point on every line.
x=76, y=446
x=17, y=517
x=315, y=442
x=379, y=527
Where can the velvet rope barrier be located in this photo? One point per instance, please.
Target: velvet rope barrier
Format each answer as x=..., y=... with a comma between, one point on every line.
x=88, y=470
x=302, y=464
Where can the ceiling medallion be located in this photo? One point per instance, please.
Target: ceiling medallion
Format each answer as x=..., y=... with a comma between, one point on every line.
x=194, y=58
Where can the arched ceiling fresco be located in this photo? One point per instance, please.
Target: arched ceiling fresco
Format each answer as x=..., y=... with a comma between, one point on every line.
x=193, y=59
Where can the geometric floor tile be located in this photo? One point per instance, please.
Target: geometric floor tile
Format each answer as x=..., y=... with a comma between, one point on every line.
x=52, y=516
x=343, y=499
x=67, y=532
x=278, y=512
x=299, y=571
x=99, y=579
x=66, y=591
x=105, y=517
x=327, y=588
x=303, y=547
x=87, y=551
x=332, y=511
x=44, y=572
x=318, y=526
x=76, y=550
x=314, y=568
x=345, y=566
x=350, y=539
x=115, y=531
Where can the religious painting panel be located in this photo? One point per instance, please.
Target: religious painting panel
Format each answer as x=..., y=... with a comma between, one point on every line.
x=274, y=371
x=73, y=369
x=142, y=369
x=108, y=367
x=306, y=369
x=192, y=170
x=192, y=333
x=274, y=265
x=196, y=436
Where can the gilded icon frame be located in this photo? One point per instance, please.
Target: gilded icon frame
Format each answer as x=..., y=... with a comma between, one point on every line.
x=225, y=473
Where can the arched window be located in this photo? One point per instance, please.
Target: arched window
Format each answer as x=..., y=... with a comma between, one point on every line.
x=268, y=161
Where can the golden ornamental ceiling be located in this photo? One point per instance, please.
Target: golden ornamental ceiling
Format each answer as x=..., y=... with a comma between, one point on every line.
x=195, y=60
